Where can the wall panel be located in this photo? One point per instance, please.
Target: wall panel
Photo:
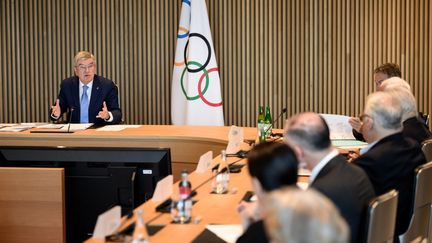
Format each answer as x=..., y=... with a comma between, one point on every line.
x=303, y=55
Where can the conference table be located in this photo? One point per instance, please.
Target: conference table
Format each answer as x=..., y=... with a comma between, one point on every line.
x=187, y=144
x=208, y=209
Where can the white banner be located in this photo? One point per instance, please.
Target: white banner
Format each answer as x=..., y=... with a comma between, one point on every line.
x=196, y=93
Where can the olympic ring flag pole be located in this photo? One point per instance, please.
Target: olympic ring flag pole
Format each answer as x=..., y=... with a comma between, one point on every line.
x=196, y=93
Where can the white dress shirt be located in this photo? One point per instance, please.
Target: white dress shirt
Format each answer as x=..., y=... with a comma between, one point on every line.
x=89, y=91
x=324, y=161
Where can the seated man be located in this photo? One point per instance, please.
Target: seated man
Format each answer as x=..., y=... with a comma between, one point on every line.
x=390, y=158
x=271, y=166
x=89, y=98
x=413, y=126
x=346, y=185
x=293, y=215
x=381, y=73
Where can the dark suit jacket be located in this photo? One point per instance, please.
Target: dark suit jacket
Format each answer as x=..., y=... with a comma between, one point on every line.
x=350, y=190
x=390, y=164
x=416, y=129
x=102, y=90
x=412, y=128
x=254, y=233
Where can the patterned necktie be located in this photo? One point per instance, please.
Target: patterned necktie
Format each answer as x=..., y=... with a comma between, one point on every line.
x=84, y=106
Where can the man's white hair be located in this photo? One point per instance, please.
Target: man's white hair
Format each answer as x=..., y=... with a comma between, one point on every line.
x=402, y=91
x=395, y=83
x=385, y=109
x=407, y=102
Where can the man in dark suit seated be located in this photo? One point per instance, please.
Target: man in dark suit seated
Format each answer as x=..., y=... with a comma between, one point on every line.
x=271, y=166
x=390, y=158
x=346, y=185
x=413, y=126
x=381, y=73
x=89, y=98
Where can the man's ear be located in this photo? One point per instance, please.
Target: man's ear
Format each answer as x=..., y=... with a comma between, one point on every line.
x=299, y=152
x=368, y=123
x=256, y=184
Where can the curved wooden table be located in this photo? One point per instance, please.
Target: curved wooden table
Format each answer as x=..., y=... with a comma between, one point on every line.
x=187, y=143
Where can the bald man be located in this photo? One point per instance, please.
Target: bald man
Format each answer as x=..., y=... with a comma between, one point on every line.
x=309, y=136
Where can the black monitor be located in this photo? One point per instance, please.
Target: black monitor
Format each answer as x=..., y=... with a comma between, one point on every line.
x=96, y=179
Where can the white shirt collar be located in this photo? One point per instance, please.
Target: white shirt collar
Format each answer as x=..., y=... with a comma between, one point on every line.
x=89, y=90
x=367, y=147
x=89, y=85
x=324, y=161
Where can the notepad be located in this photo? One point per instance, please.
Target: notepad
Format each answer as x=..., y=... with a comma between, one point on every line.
x=348, y=143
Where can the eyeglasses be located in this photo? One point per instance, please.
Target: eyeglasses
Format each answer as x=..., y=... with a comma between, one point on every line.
x=379, y=82
x=83, y=68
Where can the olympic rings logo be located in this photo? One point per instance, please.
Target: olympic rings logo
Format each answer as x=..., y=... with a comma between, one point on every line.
x=199, y=67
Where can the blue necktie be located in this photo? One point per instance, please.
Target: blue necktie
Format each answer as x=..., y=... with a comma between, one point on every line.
x=84, y=106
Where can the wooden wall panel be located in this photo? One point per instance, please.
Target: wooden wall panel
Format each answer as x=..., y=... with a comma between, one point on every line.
x=300, y=54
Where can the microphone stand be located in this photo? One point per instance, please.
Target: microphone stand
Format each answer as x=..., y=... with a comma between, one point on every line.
x=71, y=110
x=284, y=110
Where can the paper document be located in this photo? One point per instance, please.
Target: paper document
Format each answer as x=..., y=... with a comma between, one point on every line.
x=76, y=126
x=33, y=124
x=51, y=126
x=227, y=232
x=348, y=143
x=339, y=126
x=115, y=128
x=15, y=128
x=8, y=124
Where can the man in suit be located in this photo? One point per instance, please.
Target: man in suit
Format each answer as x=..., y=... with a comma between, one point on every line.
x=89, y=98
x=381, y=73
x=271, y=166
x=345, y=184
x=413, y=126
x=390, y=158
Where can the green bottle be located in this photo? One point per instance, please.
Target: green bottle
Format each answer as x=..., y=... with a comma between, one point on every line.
x=268, y=122
x=261, y=124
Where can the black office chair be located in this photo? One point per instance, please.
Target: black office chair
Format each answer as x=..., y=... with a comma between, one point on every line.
x=381, y=218
x=118, y=95
x=420, y=225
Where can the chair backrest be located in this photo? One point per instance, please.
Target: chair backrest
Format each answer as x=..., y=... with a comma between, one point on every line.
x=427, y=149
x=424, y=117
x=381, y=218
x=420, y=221
x=423, y=185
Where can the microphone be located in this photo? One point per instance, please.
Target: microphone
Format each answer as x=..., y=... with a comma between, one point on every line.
x=56, y=130
x=239, y=154
x=284, y=110
x=71, y=110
